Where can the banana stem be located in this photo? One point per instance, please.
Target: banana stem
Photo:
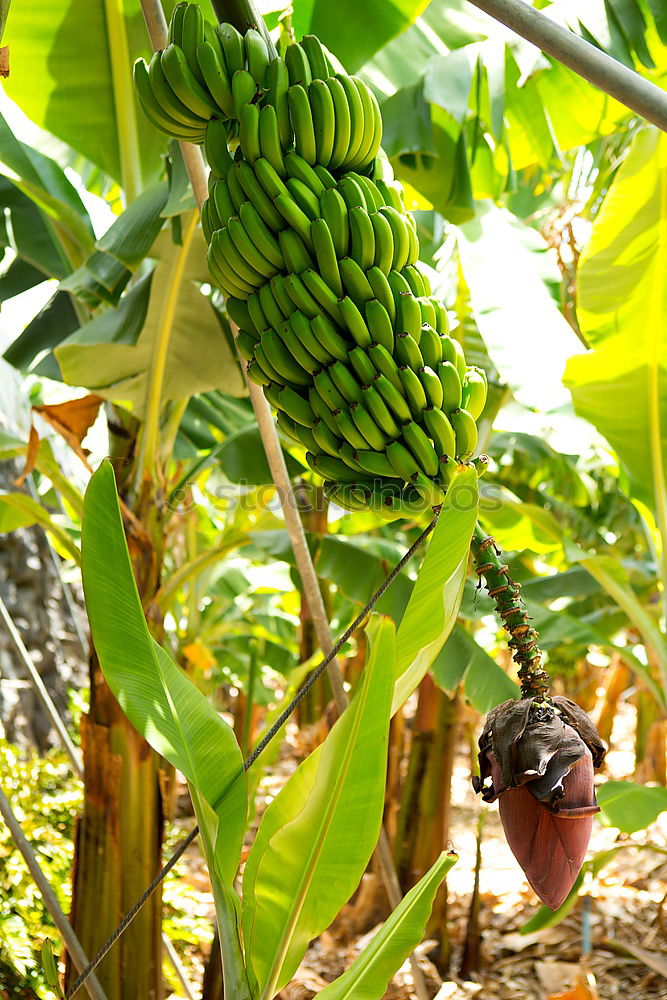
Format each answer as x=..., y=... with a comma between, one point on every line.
x=243, y=14
x=506, y=595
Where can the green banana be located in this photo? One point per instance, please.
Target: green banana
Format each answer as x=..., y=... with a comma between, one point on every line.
x=245, y=345
x=236, y=192
x=451, y=386
x=300, y=295
x=352, y=192
x=465, y=429
x=325, y=253
x=304, y=197
x=255, y=374
x=244, y=89
x=237, y=262
x=247, y=249
x=217, y=153
x=287, y=426
x=305, y=436
x=367, y=427
x=281, y=295
x=322, y=411
x=443, y=318
x=391, y=192
x=329, y=337
x=294, y=216
x=345, y=382
x=379, y=324
x=399, y=232
x=347, y=453
x=348, y=429
x=249, y=132
x=282, y=361
x=256, y=313
x=165, y=98
x=326, y=441
x=303, y=330
x=248, y=184
x=239, y=313
x=384, y=363
x=175, y=30
x=375, y=463
x=403, y=462
x=271, y=393
x=379, y=282
x=296, y=406
x=341, y=136
x=192, y=35
x=334, y=213
x=371, y=135
x=413, y=390
x=379, y=411
x=393, y=397
x=325, y=297
x=298, y=65
x=302, y=122
x=297, y=350
x=475, y=391
x=429, y=314
x=324, y=125
x=328, y=392
x=432, y=386
x=320, y=67
x=384, y=242
x=407, y=352
x=398, y=285
x=215, y=79
x=326, y=178
x=270, y=308
x=221, y=203
x=267, y=368
x=355, y=281
x=185, y=84
x=297, y=168
x=233, y=50
x=269, y=138
x=408, y=319
x=357, y=123
x=430, y=346
x=260, y=234
x=154, y=110
x=227, y=279
x=277, y=83
x=293, y=251
x=441, y=431
x=421, y=447
x=374, y=200
x=362, y=238
x=354, y=322
x=257, y=55
x=347, y=496
x=362, y=364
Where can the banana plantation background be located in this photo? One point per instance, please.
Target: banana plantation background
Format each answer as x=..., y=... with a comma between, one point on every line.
x=541, y=211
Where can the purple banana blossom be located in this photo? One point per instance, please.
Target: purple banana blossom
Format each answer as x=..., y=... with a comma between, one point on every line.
x=537, y=757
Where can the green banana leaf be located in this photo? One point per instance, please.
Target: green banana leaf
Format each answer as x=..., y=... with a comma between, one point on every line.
x=178, y=319
x=71, y=74
x=434, y=604
x=160, y=701
x=462, y=660
x=630, y=806
x=621, y=385
x=19, y=510
x=369, y=975
x=354, y=31
x=504, y=265
x=317, y=835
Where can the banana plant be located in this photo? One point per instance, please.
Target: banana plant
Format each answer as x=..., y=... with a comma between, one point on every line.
x=315, y=839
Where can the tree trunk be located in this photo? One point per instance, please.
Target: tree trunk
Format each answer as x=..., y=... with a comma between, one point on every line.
x=423, y=821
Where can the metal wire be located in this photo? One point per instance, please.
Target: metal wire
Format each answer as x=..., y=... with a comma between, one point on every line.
x=250, y=760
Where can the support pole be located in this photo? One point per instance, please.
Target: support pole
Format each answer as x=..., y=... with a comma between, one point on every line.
x=93, y=988
x=600, y=69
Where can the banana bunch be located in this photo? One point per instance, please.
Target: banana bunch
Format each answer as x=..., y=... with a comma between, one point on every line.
x=311, y=244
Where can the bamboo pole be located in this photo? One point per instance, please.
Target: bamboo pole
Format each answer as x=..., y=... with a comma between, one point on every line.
x=589, y=62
